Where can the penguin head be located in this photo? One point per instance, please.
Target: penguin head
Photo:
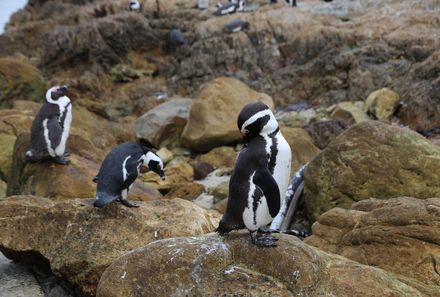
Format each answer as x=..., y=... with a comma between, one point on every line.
x=55, y=93
x=255, y=119
x=154, y=163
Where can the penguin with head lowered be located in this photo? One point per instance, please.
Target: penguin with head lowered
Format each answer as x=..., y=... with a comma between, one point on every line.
x=260, y=177
x=50, y=128
x=120, y=169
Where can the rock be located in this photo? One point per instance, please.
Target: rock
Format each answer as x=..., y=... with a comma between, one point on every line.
x=3, y=187
x=79, y=241
x=213, y=114
x=382, y=104
x=19, y=81
x=165, y=155
x=400, y=235
x=205, y=201
x=349, y=112
x=301, y=144
x=221, y=206
x=57, y=181
x=211, y=265
x=221, y=191
x=187, y=191
x=371, y=159
x=325, y=131
x=176, y=174
x=201, y=169
x=223, y=156
x=163, y=125
x=124, y=73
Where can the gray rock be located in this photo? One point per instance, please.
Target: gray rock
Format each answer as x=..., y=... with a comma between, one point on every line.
x=163, y=125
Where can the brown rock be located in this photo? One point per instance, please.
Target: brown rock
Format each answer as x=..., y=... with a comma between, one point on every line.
x=79, y=241
x=400, y=235
x=371, y=159
x=224, y=156
x=382, y=104
x=325, y=131
x=213, y=114
x=176, y=174
x=349, y=112
x=211, y=265
x=187, y=191
x=301, y=144
x=201, y=169
x=19, y=80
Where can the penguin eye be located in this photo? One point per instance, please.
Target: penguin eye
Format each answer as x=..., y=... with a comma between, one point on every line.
x=245, y=132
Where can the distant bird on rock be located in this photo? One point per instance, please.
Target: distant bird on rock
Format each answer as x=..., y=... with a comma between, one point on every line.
x=176, y=36
x=230, y=8
x=291, y=3
x=134, y=5
x=236, y=26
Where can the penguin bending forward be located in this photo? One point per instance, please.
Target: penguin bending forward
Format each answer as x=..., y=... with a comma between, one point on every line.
x=120, y=169
x=50, y=128
x=260, y=177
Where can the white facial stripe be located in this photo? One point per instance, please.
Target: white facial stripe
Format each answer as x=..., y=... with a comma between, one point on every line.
x=152, y=156
x=124, y=170
x=272, y=123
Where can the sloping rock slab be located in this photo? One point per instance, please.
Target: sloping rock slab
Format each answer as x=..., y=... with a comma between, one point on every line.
x=401, y=235
x=232, y=266
x=371, y=159
x=79, y=241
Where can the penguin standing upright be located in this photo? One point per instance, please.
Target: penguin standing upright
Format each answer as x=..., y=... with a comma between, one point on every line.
x=50, y=128
x=120, y=169
x=261, y=174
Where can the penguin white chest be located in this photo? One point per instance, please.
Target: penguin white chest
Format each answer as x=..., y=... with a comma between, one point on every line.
x=65, y=122
x=256, y=214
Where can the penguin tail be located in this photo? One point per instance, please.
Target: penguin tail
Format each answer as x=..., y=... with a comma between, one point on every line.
x=103, y=199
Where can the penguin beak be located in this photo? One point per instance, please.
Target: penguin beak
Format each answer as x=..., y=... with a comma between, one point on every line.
x=161, y=174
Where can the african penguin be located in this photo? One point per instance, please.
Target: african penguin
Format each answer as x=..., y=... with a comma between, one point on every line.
x=236, y=26
x=229, y=8
x=134, y=5
x=176, y=36
x=120, y=169
x=50, y=128
x=291, y=3
x=261, y=174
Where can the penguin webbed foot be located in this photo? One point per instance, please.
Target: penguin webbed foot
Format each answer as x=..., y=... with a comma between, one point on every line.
x=60, y=160
x=128, y=203
x=263, y=240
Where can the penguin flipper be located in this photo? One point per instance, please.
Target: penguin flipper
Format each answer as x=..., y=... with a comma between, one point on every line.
x=132, y=173
x=55, y=132
x=265, y=181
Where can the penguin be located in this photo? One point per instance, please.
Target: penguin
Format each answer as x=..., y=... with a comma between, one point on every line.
x=291, y=3
x=134, y=5
x=50, y=128
x=120, y=169
x=176, y=36
x=230, y=8
x=236, y=26
x=260, y=177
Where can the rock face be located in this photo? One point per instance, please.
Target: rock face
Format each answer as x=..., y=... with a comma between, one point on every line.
x=213, y=114
x=19, y=81
x=371, y=159
x=211, y=265
x=163, y=125
x=79, y=241
x=401, y=235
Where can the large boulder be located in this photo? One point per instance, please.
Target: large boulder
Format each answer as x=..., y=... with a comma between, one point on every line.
x=80, y=241
x=213, y=116
x=163, y=125
x=371, y=159
x=401, y=235
x=211, y=265
x=19, y=80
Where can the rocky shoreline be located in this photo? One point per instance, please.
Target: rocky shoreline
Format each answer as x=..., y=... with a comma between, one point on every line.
x=354, y=87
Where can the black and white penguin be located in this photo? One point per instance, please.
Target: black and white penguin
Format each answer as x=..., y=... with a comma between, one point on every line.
x=230, y=8
x=120, y=169
x=50, y=128
x=291, y=3
x=261, y=174
x=236, y=26
x=134, y=5
x=176, y=36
